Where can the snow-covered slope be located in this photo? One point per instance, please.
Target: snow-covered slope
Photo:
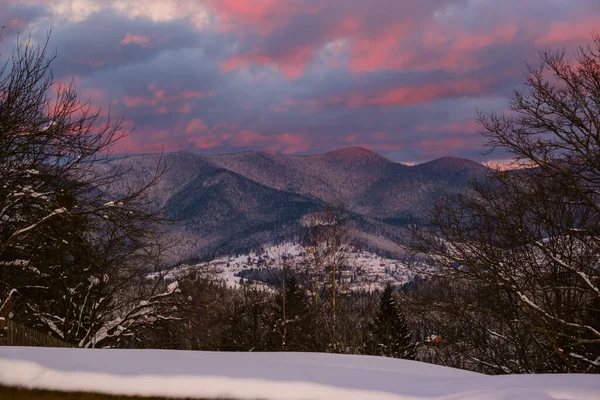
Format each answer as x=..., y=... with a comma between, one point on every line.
x=277, y=376
x=364, y=270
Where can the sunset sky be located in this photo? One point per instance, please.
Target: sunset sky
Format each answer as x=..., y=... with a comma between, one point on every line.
x=400, y=77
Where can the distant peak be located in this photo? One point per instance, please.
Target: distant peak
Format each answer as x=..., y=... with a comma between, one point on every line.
x=355, y=153
x=451, y=162
x=351, y=150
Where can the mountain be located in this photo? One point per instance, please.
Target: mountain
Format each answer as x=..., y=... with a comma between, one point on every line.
x=235, y=202
x=333, y=177
x=220, y=206
x=451, y=168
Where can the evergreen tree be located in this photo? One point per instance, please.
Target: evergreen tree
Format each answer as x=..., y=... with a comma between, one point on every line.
x=388, y=334
x=291, y=313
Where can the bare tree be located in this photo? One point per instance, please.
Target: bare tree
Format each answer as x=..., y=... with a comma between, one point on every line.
x=327, y=250
x=249, y=319
x=531, y=237
x=72, y=256
x=284, y=291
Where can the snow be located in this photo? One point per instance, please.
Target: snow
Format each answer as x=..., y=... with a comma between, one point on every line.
x=173, y=287
x=58, y=211
x=371, y=272
x=272, y=376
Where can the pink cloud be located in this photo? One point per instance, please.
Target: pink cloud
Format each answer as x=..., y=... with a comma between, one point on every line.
x=435, y=147
x=165, y=101
x=411, y=95
x=434, y=38
x=372, y=52
x=247, y=137
x=196, y=95
x=94, y=94
x=293, y=61
x=291, y=64
x=426, y=93
x=466, y=42
x=394, y=40
x=161, y=97
x=209, y=142
x=16, y=24
x=385, y=47
x=451, y=127
x=161, y=134
x=350, y=138
x=262, y=15
x=185, y=108
x=141, y=40
x=395, y=48
x=564, y=31
x=195, y=125
x=238, y=62
x=144, y=140
x=364, y=38
x=290, y=143
x=134, y=101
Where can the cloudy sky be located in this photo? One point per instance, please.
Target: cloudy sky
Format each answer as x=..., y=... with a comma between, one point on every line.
x=400, y=77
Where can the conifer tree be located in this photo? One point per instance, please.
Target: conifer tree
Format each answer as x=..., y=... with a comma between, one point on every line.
x=292, y=319
x=388, y=334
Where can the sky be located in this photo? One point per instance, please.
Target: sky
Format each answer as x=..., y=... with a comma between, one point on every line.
x=403, y=78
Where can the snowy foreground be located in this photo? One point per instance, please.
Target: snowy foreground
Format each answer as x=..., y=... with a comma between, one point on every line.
x=277, y=376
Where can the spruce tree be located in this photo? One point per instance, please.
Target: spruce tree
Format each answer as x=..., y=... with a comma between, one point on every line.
x=291, y=319
x=388, y=334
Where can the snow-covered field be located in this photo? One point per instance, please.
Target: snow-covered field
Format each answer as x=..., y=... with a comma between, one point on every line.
x=366, y=270
x=276, y=376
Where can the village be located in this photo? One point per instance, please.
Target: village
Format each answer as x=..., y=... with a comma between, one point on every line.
x=360, y=270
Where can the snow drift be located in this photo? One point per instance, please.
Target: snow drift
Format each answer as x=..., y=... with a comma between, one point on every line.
x=276, y=376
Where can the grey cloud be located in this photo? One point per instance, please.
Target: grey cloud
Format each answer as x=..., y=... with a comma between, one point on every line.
x=92, y=45
x=15, y=20
x=260, y=100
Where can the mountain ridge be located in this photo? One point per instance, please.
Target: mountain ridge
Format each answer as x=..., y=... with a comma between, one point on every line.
x=341, y=150
x=226, y=202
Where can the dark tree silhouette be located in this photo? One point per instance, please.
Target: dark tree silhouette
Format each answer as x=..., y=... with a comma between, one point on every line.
x=531, y=237
x=72, y=256
x=389, y=334
x=292, y=313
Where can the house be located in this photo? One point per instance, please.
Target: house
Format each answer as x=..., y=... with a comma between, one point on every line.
x=434, y=339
